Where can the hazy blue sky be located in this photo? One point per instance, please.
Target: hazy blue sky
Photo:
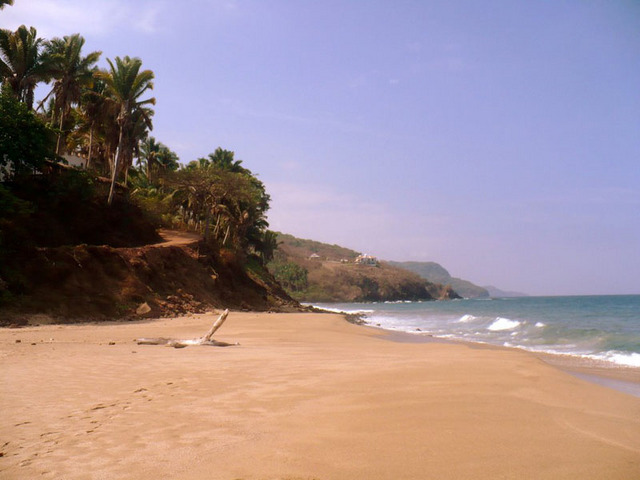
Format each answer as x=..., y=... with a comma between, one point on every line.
x=498, y=138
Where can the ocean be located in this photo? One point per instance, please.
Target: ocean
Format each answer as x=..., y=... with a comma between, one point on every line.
x=596, y=328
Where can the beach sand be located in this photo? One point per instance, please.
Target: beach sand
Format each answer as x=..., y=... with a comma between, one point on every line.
x=304, y=396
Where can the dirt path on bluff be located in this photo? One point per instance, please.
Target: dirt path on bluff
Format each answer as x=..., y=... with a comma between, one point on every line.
x=175, y=237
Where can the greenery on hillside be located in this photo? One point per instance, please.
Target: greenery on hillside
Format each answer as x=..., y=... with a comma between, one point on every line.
x=300, y=248
x=333, y=276
x=25, y=141
x=434, y=272
x=104, y=117
x=129, y=183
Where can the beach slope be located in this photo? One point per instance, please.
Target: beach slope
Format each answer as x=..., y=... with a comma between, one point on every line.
x=303, y=396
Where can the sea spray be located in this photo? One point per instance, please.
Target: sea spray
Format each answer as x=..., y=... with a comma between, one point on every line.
x=503, y=324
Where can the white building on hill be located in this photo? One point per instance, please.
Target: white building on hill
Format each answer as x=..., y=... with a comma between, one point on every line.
x=365, y=259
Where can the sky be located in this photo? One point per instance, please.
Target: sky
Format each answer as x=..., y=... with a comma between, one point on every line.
x=499, y=138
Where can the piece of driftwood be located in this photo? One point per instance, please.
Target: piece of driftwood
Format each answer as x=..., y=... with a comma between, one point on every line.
x=205, y=340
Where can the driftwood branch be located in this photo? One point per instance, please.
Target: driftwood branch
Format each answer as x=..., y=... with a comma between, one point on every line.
x=217, y=324
x=205, y=340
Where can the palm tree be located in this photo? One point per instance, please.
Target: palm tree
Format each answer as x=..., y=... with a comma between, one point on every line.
x=95, y=110
x=126, y=84
x=73, y=74
x=167, y=159
x=21, y=65
x=224, y=159
x=149, y=150
x=199, y=164
x=267, y=246
x=3, y=3
x=155, y=156
x=140, y=126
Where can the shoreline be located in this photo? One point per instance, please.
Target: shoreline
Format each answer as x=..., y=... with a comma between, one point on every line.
x=618, y=377
x=303, y=396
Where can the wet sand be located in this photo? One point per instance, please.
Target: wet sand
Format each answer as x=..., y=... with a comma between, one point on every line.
x=303, y=396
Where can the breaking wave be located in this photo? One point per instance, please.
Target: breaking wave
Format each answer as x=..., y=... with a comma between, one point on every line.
x=502, y=324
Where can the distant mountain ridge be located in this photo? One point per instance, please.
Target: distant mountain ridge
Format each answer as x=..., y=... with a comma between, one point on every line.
x=495, y=292
x=435, y=272
x=312, y=271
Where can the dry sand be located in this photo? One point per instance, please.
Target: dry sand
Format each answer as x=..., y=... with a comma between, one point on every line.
x=305, y=396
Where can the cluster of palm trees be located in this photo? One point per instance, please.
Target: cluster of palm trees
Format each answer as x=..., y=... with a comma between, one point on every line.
x=100, y=115
x=105, y=117
x=225, y=201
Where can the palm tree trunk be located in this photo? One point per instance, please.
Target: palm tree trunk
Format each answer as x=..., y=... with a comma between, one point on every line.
x=149, y=166
x=59, y=133
x=86, y=166
x=206, y=226
x=29, y=97
x=115, y=167
x=217, y=227
x=40, y=105
x=226, y=235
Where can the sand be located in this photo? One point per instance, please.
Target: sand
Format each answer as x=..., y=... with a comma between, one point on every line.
x=305, y=396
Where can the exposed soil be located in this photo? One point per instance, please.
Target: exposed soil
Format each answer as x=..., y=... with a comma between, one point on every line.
x=84, y=282
x=176, y=237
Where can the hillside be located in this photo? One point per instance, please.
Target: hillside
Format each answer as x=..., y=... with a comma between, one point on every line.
x=67, y=255
x=333, y=276
x=434, y=272
x=100, y=282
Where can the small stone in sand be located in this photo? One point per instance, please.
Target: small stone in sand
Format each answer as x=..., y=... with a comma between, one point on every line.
x=112, y=343
x=143, y=309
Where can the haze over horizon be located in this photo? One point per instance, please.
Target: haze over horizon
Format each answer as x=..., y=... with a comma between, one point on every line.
x=500, y=139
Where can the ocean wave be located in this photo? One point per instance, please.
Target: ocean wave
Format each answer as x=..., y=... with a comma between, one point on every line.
x=619, y=358
x=348, y=312
x=466, y=318
x=501, y=324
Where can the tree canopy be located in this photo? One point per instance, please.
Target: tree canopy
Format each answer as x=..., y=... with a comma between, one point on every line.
x=104, y=116
x=72, y=72
x=21, y=65
x=25, y=141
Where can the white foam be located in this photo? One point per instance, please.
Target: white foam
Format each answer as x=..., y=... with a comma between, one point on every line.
x=540, y=324
x=501, y=324
x=338, y=310
x=619, y=358
x=466, y=318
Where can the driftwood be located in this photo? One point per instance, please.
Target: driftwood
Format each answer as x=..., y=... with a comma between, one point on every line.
x=205, y=340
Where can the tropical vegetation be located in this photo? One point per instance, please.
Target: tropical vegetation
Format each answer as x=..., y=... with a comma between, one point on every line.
x=103, y=117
